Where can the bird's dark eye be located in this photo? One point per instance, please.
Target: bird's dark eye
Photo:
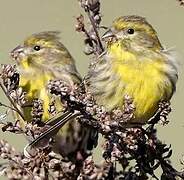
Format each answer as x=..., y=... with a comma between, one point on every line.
x=36, y=48
x=130, y=31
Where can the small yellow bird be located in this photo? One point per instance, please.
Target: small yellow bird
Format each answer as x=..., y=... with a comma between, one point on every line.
x=41, y=58
x=135, y=64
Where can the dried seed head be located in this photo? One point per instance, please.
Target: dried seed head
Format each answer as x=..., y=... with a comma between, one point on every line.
x=9, y=76
x=80, y=27
x=37, y=110
x=181, y=2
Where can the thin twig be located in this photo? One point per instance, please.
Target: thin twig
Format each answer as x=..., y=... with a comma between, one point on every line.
x=95, y=30
x=11, y=101
x=2, y=104
x=92, y=10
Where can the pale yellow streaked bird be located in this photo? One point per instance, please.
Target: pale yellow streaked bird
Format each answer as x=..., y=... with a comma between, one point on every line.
x=42, y=57
x=135, y=64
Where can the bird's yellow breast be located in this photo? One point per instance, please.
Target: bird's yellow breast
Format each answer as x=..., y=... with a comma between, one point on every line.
x=143, y=79
x=34, y=82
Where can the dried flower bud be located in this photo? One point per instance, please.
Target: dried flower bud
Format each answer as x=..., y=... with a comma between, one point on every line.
x=19, y=96
x=37, y=110
x=181, y=2
x=9, y=76
x=80, y=27
x=59, y=87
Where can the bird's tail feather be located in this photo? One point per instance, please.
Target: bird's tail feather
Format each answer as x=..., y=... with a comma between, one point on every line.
x=55, y=124
x=79, y=139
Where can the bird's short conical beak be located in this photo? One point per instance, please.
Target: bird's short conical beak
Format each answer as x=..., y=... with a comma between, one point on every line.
x=16, y=52
x=108, y=34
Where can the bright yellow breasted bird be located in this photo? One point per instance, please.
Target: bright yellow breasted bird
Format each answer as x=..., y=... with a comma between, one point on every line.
x=42, y=57
x=135, y=64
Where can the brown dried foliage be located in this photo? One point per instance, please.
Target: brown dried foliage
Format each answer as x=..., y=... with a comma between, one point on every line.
x=181, y=2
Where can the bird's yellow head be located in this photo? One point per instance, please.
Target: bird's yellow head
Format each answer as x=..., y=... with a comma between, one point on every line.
x=42, y=49
x=133, y=33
